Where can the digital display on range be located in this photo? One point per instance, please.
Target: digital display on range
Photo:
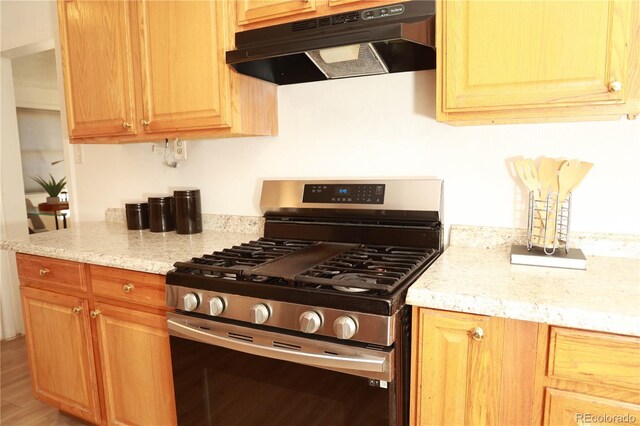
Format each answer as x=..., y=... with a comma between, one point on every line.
x=344, y=194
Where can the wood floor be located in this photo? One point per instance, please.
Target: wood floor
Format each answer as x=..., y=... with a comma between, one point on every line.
x=18, y=407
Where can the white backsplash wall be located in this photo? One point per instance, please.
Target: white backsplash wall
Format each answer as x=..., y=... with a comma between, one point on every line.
x=381, y=126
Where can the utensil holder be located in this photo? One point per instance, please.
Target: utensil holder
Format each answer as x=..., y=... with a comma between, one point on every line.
x=548, y=223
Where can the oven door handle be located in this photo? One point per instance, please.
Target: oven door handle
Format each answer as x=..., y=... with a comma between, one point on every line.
x=362, y=362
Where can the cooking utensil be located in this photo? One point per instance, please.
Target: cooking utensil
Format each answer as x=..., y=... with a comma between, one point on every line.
x=569, y=177
x=528, y=174
x=583, y=169
x=547, y=175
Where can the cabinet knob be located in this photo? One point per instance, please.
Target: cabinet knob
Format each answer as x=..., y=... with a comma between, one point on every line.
x=94, y=314
x=615, y=86
x=144, y=123
x=477, y=334
x=127, y=288
x=126, y=125
x=76, y=309
x=43, y=272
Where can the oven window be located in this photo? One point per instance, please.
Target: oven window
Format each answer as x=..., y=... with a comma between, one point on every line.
x=218, y=386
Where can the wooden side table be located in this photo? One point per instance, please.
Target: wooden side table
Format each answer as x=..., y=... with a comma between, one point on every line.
x=55, y=210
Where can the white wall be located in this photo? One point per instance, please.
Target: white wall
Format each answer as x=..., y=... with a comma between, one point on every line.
x=381, y=126
x=26, y=27
x=13, y=213
x=26, y=22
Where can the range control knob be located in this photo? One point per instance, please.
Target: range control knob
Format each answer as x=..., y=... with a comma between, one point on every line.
x=310, y=322
x=259, y=313
x=190, y=302
x=216, y=306
x=345, y=327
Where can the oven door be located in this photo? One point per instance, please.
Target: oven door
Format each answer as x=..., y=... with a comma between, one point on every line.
x=226, y=374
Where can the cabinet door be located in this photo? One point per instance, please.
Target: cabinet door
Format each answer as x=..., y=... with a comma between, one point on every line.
x=250, y=11
x=497, y=54
x=136, y=366
x=185, y=79
x=570, y=408
x=457, y=377
x=95, y=41
x=341, y=2
x=58, y=337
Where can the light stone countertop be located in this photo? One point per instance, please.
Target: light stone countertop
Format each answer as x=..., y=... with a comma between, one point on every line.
x=111, y=244
x=481, y=280
x=605, y=297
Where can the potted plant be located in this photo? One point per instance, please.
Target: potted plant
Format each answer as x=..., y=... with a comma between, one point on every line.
x=51, y=187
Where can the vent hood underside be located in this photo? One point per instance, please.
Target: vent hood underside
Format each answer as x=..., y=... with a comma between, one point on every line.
x=295, y=53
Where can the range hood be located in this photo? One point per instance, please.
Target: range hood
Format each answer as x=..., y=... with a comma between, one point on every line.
x=385, y=39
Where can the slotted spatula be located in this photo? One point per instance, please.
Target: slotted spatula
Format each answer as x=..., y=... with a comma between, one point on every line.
x=528, y=174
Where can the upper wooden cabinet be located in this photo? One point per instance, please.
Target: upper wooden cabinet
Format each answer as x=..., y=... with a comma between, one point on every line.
x=510, y=60
x=98, y=73
x=148, y=70
x=187, y=89
x=250, y=11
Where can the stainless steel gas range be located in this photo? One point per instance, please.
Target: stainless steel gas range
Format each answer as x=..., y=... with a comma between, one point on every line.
x=307, y=325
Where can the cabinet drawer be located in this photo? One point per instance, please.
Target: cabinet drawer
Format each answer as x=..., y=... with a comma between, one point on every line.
x=571, y=408
x=53, y=274
x=591, y=357
x=130, y=286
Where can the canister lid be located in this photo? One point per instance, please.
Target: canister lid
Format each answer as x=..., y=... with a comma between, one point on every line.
x=193, y=192
x=136, y=205
x=162, y=199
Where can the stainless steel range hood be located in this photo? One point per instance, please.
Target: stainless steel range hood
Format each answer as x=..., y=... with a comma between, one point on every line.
x=385, y=39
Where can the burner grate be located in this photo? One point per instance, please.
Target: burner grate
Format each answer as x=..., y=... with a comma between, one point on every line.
x=371, y=270
x=376, y=269
x=229, y=263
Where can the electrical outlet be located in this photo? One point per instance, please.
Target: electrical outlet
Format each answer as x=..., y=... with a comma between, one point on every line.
x=77, y=154
x=179, y=150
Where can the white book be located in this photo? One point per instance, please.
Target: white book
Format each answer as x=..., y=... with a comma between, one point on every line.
x=537, y=257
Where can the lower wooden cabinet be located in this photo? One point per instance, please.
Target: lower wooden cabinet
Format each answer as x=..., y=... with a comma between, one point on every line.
x=571, y=408
x=479, y=370
x=136, y=363
x=102, y=359
x=58, y=337
x=454, y=353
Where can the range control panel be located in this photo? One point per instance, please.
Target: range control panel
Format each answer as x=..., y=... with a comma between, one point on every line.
x=344, y=194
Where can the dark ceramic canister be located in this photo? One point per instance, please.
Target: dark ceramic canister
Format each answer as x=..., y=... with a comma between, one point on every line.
x=161, y=214
x=137, y=216
x=188, y=211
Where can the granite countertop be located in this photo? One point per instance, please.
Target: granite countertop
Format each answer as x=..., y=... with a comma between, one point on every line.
x=111, y=244
x=481, y=280
x=467, y=277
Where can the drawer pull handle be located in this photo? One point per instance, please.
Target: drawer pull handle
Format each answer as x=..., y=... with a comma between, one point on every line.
x=477, y=334
x=43, y=272
x=94, y=314
x=127, y=288
x=76, y=309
